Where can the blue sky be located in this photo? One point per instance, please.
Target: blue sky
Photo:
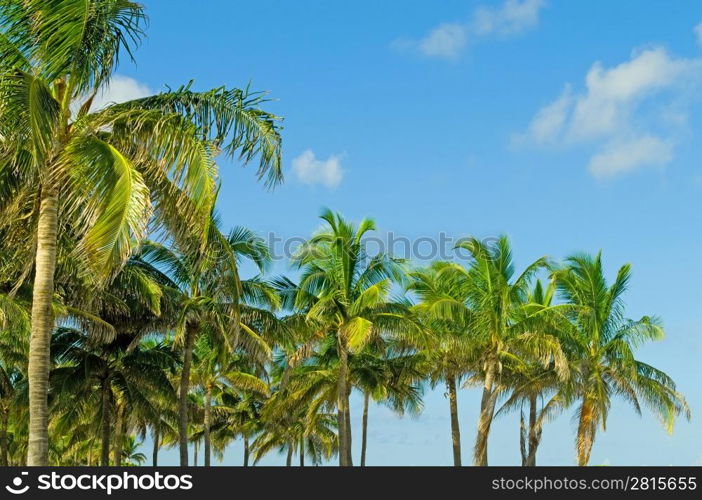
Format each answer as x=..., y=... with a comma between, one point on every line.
x=566, y=125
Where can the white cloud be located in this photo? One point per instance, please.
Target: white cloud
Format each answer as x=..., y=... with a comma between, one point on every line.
x=120, y=89
x=549, y=120
x=698, y=34
x=448, y=40
x=513, y=17
x=631, y=112
x=623, y=156
x=613, y=94
x=310, y=170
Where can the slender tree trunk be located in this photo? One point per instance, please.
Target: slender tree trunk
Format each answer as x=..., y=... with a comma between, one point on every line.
x=534, y=432
x=455, y=428
x=524, y=453
x=105, y=450
x=246, y=451
x=587, y=426
x=487, y=412
x=342, y=403
x=195, y=450
x=349, y=448
x=157, y=445
x=208, y=410
x=302, y=451
x=364, y=432
x=288, y=459
x=183, y=396
x=42, y=325
x=119, y=436
x=4, y=419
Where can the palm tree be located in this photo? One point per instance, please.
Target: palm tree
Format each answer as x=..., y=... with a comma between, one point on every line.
x=347, y=293
x=118, y=381
x=388, y=377
x=10, y=379
x=603, y=342
x=131, y=455
x=103, y=175
x=217, y=371
x=14, y=336
x=210, y=299
x=162, y=426
x=448, y=347
x=296, y=428
x=238, y=415
x=534, y=386
x=492, y=304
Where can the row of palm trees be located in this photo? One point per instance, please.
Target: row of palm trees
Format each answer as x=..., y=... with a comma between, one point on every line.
x=122, y=310
x=178, y=346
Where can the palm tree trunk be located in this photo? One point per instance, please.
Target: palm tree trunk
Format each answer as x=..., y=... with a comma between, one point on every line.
x=364, y=433
x=288, y=459
x=246, y=451
x=534, y=432
x=524, y=453
x=105, y=451
x=586, y=432
x=183, y=395
x=455, y=429
x=342, y=403
x=157, y=445
x=206, y=423
x=4, y=418
x=119, y=436
x=42, y=324
x=347, y=420
x=302, y=451
x=487, y=412
x=195, y=447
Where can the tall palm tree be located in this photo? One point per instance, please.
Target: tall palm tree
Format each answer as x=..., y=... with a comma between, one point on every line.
x=239, y=415
x=292, y=429
x=491, y=304
x=104, y=174
x=118, y=382
x=387, y=377
x=533, y=386
x=217, y=371
x=347, y=292
x=448, y=347
x=210, y=298
x=603, y=342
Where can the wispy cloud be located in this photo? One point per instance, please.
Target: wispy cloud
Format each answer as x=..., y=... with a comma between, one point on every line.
x=449, y=40
x=698, y=34
x=120, y=89
x=445, y=41
x=624, y=155
x=311, y=170
x=514, y=17
x=630, y=113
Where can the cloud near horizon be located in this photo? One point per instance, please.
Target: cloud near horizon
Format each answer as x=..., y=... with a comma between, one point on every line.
x=310, y=170
x=631, y=112
x=448, y=40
